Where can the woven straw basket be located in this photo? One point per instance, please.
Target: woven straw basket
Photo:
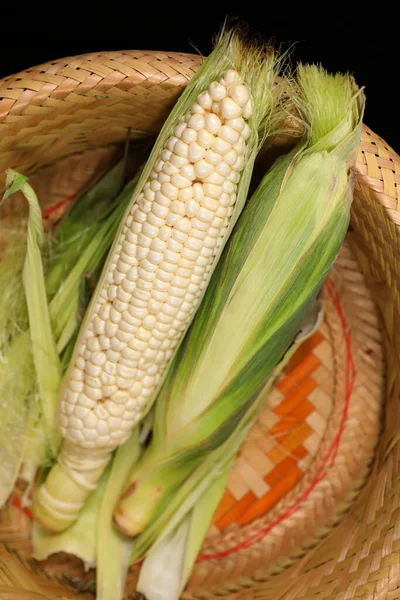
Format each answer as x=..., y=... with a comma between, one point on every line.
x=312, y=506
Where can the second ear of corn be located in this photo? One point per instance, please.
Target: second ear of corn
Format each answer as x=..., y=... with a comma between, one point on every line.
x=271, y=270
x=186, y=202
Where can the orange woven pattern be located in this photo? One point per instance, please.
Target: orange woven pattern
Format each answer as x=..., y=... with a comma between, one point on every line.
x=287, y=436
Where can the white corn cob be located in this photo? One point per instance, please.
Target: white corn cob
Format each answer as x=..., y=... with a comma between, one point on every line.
x=151, y=291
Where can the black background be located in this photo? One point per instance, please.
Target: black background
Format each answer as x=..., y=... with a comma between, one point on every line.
x=341, y=37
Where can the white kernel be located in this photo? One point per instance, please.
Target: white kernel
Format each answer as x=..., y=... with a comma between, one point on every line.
x=198, y=193
x=199, y=225
x=181, y=149
x=185, y=193
x=196, y=152
x=210, y=203
x=217, y=91
x=98, y=325
x=150, y=232
x=93, y=344
x=204, y=99
x=223, y=169
x=212, y=122
x=246, y=132
x=93, y=393
x=247, y=110
x=238, y=124
x=191, y=207
x=138, y=345
x=171, y=256
x=216, y=107
x=170, y=310
x=132, y=274
x=190, y=254
x=173, y=219
x=163, y=177
x=122, y=383
x=212, y=157
x=152, y=219
x=205, y=138
x=154, y=306
x=155, y=257
x=189, y=135
x=158, y=245
x=179, y=129
x=234, y=177
x=196, y=122
x=222, y=211
x=228, y=187
x=231, y=157
x=184, y=225
x=123, y=296
x=179, y=161
x=159, y=211
x=162, y=200
x=107, y=379
x=194, y=244
x=174, y=245
x=197, y=109
x=215, y=178
x=169, y=267
x=75, y=386
x=155, y=184
x=240, y=94
x=169, y=168
x=120, y=397
x=121, y=267
x=178, y=207
x=180, y=181
x=203, y=169
x=111, y=328
x=169, y=190
x=164, y=233
x=145, y=205
x=212, y=190
x=188, y=172
x=230, y=109
x=240, y=146
x=171, y=143
x=231, y=76
x=149, y=195
x=229, y=134
x=166, y=154
x=149, y=322
x=139, y=313
x=129, y=318
x=198, y=234
x=221, y=146
x=210, y=242
x=158, y=167
x=126, y=329
x=129, y=260
x=159, y=296
x=205, y=215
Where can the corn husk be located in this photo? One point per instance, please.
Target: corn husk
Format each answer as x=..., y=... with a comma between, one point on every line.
x=45, y=279
x=267, y=279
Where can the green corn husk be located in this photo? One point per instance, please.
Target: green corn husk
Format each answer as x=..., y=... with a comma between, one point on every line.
x=269, y=275
x=181, y=529
x=28, y=434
